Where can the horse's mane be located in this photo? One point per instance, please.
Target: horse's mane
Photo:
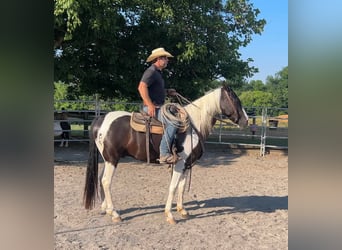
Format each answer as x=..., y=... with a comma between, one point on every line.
x=203, y=110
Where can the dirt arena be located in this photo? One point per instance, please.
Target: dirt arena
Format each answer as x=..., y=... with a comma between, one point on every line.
x=237, y=200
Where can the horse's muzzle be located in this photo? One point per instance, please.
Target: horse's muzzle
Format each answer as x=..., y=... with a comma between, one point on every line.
x=243, y=124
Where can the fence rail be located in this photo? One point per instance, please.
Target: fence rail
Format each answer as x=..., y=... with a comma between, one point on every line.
x=267, y=129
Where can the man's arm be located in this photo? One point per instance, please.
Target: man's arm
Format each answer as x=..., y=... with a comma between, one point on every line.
x=143, y=91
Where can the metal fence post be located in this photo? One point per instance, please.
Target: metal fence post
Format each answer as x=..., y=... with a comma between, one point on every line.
x=263, y=131
x=97, y=105
x=220, y=134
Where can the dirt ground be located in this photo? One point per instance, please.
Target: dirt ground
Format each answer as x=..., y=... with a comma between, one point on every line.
x=237, y=200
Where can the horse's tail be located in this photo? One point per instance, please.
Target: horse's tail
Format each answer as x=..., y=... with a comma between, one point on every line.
x=91, y=184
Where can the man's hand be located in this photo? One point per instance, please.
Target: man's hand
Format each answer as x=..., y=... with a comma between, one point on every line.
x=151, y=110
x=171, y=92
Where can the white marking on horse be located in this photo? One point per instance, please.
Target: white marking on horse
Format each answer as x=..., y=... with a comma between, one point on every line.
x=108, y=120
x=188, y=146
x=203, y=110
x=57, y=129
x=244, y=112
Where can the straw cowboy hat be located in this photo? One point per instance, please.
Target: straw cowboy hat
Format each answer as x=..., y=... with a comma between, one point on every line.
x=158, y=53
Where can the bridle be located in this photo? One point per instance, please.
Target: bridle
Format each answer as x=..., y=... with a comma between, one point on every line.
x=232, y=105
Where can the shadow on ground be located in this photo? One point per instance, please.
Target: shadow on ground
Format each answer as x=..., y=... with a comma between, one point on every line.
x=217, y=206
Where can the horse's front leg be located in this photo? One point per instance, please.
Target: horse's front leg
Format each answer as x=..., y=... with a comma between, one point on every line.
x=107, y=204
x=62, y=142
x=181, y=189
x=176, y=176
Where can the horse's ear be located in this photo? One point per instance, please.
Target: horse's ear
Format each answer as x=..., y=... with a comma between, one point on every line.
x=226, y=86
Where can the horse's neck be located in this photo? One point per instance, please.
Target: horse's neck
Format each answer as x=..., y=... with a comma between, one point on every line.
x=203, y=110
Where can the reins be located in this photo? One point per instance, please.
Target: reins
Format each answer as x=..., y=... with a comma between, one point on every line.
x=221, y=120
x=182, y=100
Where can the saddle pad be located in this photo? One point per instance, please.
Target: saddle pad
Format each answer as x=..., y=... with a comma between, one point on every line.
x=138, y=123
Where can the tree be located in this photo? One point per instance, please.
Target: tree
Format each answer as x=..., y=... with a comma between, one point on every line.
x=253, y=85
x=60, y=91
x=256, y=98
x=278, y=86
x=105, y=43
x=272, y=94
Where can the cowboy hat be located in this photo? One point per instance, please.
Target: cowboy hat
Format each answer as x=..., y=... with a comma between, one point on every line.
x=158, y=53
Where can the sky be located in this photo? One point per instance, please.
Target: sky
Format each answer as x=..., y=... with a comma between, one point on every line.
x=270, y=49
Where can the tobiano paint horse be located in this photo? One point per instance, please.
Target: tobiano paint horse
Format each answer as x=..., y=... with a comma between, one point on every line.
x=57, y=128
x=114, y=138
x=62, y=128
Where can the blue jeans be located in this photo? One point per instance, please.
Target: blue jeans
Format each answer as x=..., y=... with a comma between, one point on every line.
x=168, y=136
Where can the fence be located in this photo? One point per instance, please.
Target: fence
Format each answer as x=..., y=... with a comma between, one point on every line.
x=267, y=128
x=81, y=117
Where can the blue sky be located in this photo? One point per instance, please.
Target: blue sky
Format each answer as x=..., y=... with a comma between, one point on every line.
x=270, y=49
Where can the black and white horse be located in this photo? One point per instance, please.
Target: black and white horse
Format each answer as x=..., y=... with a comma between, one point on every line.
x=62, y=128
x=114, y=138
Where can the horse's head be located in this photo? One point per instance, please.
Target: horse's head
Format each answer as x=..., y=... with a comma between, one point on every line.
x=230, y=105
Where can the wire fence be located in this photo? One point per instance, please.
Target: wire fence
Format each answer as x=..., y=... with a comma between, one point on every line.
x=268, y=127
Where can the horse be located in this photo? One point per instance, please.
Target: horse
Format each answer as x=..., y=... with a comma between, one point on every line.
x=113, y=137
x=57, y=128
x=61, y=127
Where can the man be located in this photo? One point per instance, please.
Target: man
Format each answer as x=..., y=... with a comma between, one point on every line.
x=152, y=91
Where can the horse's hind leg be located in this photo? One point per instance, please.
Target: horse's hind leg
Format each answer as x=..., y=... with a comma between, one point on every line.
x=104, y=203
x=107, y=204
x=181, y=189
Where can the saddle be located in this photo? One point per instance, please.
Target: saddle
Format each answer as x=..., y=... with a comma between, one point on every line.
x=142, y=122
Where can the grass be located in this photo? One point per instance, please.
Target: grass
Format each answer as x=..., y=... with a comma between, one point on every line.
x=77, y=130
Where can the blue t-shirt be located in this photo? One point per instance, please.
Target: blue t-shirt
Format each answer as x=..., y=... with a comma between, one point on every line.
x=155, y=83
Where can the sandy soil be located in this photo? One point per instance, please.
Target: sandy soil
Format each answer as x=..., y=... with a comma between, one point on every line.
x=237, y=200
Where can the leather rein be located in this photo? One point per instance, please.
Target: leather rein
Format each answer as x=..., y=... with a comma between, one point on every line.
x=182, y=99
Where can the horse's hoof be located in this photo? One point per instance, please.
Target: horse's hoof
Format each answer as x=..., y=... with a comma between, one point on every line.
x=183, y=213
x=185, y=216
x=171, y=221
x=116, y=219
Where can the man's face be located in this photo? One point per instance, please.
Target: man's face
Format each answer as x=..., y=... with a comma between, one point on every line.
x=162, y=61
